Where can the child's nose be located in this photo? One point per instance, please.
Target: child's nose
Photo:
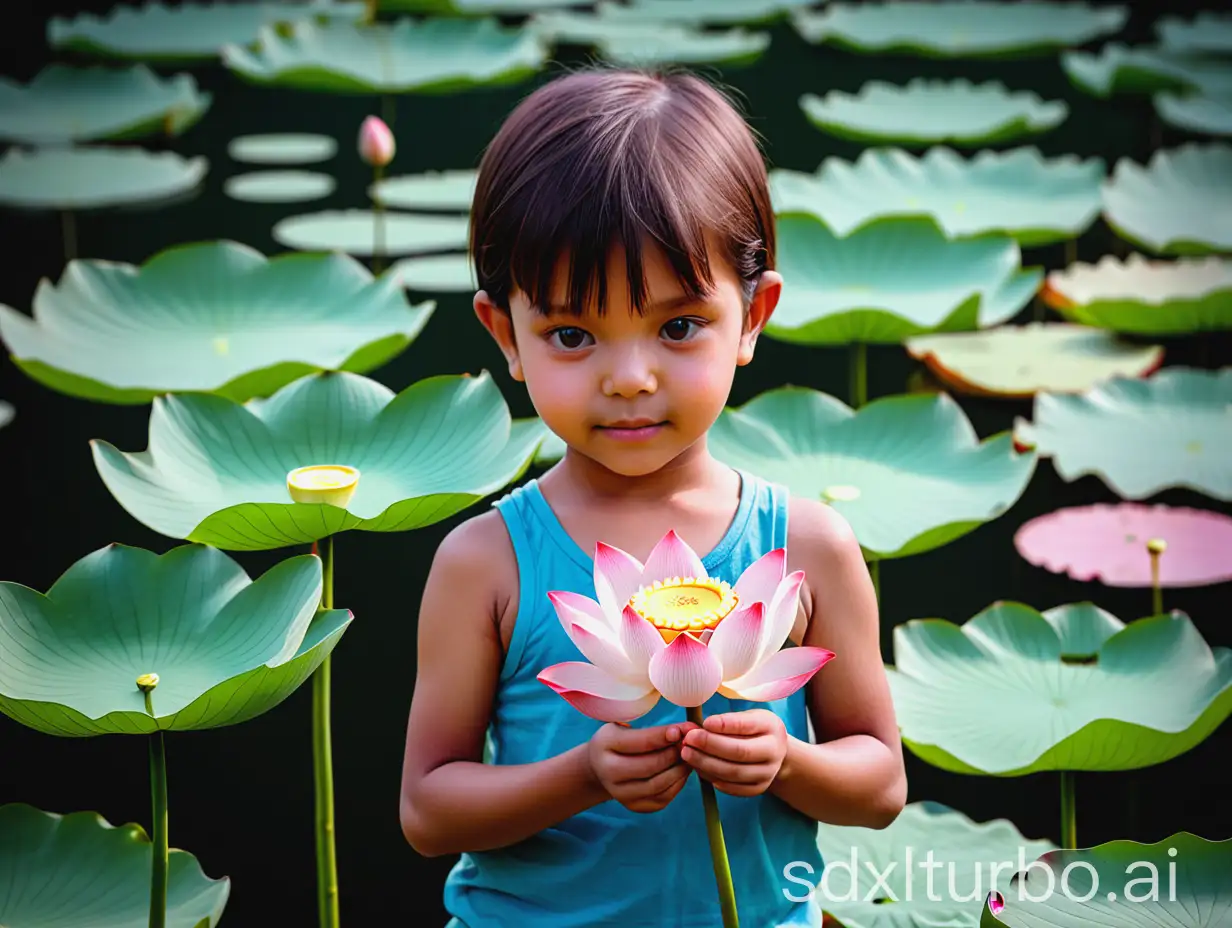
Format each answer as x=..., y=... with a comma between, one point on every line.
x=631, y=373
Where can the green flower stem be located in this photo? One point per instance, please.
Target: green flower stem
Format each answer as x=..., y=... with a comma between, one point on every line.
x=370, y=8
x=1157, y=591
x=1069, y=812
x=158, y=796
x=859, y=374
x=323, y=770
x=389, y=109
x=718, y=850
x=378, y=224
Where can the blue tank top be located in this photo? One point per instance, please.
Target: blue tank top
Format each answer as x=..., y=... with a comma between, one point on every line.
x=609, y=867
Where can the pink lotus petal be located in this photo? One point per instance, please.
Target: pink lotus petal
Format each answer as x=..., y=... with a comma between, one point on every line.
x=640, y=640
x=618, y=574
x=592, y=692
x=376, y=142
x=738, y=640
x=778, y=676
x=996, y=903
x=575, y=609
x=1108, y=543
x=607, y=654
x=761, y=578
x=685, y=672
x=671, y=557
x=782, y=611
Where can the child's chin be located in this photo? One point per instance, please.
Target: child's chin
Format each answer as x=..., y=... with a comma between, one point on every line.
x=634, y=463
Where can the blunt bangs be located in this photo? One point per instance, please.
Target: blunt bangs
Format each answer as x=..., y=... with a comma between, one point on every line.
x=602, y=158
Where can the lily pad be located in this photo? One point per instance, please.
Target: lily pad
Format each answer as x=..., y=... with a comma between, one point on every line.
x=354, y=232
x=1141, y=436
x=891, y=280
x=187, y=31
x=282, y=148
x=1207, y=33
x=933, y=112
x=441, y=190
x=551, y=450
x=216, y=317
x=1180, y=204
x=221, y=657
x=63, y=104
x=680, y=46
x=1109, y=544
x=94, y=177
x=908, y=472
x=1014, y=691
x=474, y=7
x=1144, y=297
x=696, y=12
x=279, y=186
x=1179, y=882
x=426, y=56
x=1017, y=192
x=976, y=856
x=960, y=28
x=1195, y=112
x=429, y=452
x=438, y=273
x=1020, y=361
x=1143, y=69
x=45, y=860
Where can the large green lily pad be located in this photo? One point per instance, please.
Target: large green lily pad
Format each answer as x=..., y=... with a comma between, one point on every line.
x=1144, y=297
x=282, y=148
x=225, y=648
x=195, y=30
x=63, y=104
x=473, y=7
x=976, y=857
x=697, y=12
x=425, y=56
x=1195, y=112
x=279, y=186
x=671, y=46
x=962, y=29
x=453, y=273
x=354, y=231
x=216, y=471
x=1208, y=33
x=891, y=280
x=1141, y=436
x=1015, y=691
x=52, y=867
x=933, y=112
x=1179, y=882
x=1181, y=203
x=215, y=316
x=1016, y=192
x=908, y=472
x=1142, y=69
x=94, y=177
x=1019, y=361
x=439, y=190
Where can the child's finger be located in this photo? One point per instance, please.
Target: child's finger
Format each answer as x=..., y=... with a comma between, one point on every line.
x=644, y=740
x=745, y=723
x=741, y=750
x=626, y=768
x=715, y=768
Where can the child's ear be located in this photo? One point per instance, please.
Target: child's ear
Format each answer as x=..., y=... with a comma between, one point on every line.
x=761, y=307
x=499, y=324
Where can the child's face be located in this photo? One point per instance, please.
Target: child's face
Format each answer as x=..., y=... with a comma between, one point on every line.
x=629, y=391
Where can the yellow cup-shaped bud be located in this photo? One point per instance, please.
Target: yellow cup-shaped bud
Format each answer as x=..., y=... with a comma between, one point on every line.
x=1157, y=546
x=332, y=484
x=147, y=682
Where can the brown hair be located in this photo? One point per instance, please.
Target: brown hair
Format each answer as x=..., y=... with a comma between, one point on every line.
x=603, y=156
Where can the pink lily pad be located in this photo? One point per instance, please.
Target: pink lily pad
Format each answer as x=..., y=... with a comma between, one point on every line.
x=1108, y=543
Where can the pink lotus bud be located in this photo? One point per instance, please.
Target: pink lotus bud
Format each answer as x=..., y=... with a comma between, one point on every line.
x=376, y=142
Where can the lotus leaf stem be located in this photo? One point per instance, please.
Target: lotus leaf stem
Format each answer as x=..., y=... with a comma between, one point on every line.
x=323, y=770
x=159, y=848
x=1069, y=812
x=718, y=850
x=378, y=223
x=389, y=109
x=68, y=231
x=859, y=374
x=1157, y=591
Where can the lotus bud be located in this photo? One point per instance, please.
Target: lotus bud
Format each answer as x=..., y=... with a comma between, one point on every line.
x=376, y=142
x=147, y=681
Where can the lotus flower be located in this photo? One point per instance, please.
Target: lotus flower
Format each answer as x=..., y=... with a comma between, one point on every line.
x=667, y=629
x=376, y=142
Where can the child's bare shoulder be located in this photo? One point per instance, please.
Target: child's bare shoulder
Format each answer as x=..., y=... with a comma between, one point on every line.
x=822, y=544
x=476, y=559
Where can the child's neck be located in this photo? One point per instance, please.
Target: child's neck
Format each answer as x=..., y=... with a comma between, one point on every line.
x=693, y=470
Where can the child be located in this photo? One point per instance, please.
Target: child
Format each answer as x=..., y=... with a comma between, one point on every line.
x=624, y=246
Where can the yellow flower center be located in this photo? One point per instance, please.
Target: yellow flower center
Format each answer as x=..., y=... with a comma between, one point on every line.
x=323, y=483
x=684, y=604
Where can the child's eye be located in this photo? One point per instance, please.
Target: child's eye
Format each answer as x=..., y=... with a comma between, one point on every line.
x=569, y=337
x=681, y=329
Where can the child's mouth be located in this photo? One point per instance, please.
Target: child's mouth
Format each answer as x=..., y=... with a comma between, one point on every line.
x=632, y=431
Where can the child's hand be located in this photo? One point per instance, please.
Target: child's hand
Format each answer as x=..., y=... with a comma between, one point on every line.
x=739, y=752
x=640, y=767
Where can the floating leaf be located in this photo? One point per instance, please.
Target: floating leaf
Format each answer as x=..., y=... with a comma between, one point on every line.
x=1179, y=882
x=908, y=472
x=1108, y=544
x=282, y=148
x=961, y=29
x=354, y=232
x=431, y=55
x=216, y=471
x=94, y=177
x=1145, y=297
x=1141, y=436
x=1121, y=69
x=1180, y=204
x=214, y=316
x=68, y=871
x=1206, y=34
x=1016, y=192
x=679, y=46
x=472, y=7
x=1196, y=113
x=443, y=190
x=225, y=648
x=930, y=112
x=1014, y=691
x=696, y=12
x=188, y=31
x=438, y=273
x=892, y=280
x=63, y=104
x=1020, y=361
x=975, y=856
x=279, y=186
